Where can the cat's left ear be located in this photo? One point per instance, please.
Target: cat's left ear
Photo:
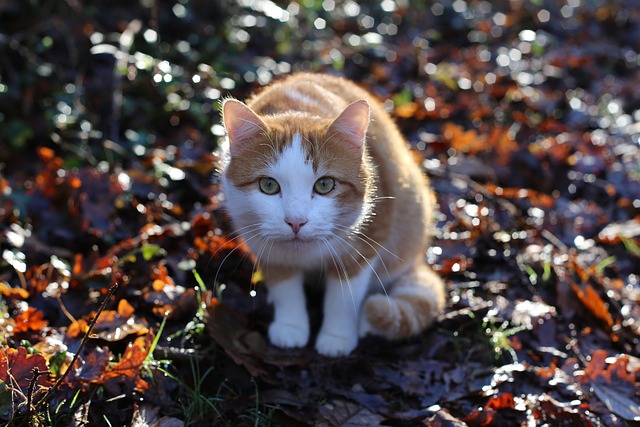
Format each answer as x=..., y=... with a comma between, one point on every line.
x=352, y=123
x=241, y=124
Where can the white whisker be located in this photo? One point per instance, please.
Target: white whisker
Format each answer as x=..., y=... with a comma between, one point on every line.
x=366, y=239
x=250, y=228
x=336, y=257
x=339, y=271
x=343, y=241
x=246, y=239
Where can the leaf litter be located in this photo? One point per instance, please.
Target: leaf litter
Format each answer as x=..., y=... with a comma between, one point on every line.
x=525, y=117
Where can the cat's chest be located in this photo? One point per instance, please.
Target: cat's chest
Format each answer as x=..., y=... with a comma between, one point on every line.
x=303, y=255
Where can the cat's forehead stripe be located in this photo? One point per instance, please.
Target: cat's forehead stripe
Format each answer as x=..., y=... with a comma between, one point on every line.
x=293, y=169
x=296, y=143
x=297, y=151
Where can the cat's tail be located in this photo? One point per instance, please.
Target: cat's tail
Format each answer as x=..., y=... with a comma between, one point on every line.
x=415, y=299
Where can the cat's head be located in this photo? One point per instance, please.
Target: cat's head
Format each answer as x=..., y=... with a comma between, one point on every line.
x=294, y=179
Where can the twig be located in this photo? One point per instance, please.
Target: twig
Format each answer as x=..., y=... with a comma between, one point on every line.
x=32, y=385
x=53, y=389
x=64, y=309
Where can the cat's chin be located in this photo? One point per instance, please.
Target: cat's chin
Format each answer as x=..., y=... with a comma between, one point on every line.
x=297, y=243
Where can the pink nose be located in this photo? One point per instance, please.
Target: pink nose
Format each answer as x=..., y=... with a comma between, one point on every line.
x=295, y=223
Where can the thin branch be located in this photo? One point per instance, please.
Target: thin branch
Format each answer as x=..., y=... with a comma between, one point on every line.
x=53, y=389
x=32, y=385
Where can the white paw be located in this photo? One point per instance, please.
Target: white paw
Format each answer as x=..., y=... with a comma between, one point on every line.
x=335, y=345
x=286, y=335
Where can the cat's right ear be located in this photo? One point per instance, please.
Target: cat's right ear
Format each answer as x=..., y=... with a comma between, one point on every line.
x=352, y=124
x=241, y=123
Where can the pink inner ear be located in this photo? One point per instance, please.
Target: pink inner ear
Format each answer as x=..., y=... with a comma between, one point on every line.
x=353, y=122
x=241, y=124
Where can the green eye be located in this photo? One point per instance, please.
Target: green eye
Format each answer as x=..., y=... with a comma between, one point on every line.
x=324, y=185
x=269, y=186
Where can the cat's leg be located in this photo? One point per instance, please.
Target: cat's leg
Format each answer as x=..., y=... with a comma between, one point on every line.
x=417, y=296
x=343, y=297
x=290, y=326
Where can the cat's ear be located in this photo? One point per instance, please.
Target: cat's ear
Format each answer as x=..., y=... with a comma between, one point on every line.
x=241, y=124
x=352, y=123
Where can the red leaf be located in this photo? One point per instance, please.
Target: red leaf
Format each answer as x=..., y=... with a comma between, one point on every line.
x=16, y=366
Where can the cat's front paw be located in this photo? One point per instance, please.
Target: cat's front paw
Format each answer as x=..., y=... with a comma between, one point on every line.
x=336, y=344
x=287, y=335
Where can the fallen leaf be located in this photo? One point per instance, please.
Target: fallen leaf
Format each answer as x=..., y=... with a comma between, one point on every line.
x=30, y=320
x=617, y=402
x=592, y=301
x=77, y=328
x=501, y=401
x=126, y=372
x=90, y=368
x=145, y=415
x=442, y=418
x=16, y=367
x=480, y=417
x=9, y=292
x=613, y=384
x=553, y=412
x=229, y=331
x=468, y=142
x=344, y=413
x=117, y=325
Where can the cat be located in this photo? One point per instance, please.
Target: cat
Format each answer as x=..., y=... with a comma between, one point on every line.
x=318, y=176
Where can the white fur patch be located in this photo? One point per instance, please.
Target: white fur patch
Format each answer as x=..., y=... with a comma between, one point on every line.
x=290, y=326
x=343, y=299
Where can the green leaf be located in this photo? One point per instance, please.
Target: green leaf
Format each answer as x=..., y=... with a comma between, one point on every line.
x=56, y=361
x=402, y=98
x=150, y=251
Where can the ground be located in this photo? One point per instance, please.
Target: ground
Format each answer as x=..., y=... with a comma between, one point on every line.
x=525, y=114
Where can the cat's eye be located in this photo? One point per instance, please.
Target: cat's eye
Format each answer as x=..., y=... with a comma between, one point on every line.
x=324, y=185
x=269, y=186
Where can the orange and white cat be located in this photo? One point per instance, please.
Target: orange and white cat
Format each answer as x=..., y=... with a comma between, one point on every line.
x=317, y=176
